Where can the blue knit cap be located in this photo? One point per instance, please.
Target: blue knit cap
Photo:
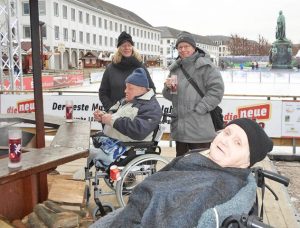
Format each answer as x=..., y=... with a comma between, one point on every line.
x=138, y=77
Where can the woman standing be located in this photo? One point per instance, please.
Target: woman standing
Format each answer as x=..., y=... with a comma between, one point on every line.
x=192, y=127
x=126, y=59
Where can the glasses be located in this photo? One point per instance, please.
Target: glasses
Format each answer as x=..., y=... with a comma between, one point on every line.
x=185, y=47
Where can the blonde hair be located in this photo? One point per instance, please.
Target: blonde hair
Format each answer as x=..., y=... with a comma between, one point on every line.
x=118, y=55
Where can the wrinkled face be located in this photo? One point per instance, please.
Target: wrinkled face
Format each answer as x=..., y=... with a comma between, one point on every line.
x=231, y=148
x=133, y=91
x=185, y=50
x=126, y=49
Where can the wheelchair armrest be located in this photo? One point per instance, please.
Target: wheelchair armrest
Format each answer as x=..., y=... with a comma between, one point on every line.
x=137, y=144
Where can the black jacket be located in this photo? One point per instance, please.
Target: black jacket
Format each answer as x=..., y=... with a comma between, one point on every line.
x=113, y=82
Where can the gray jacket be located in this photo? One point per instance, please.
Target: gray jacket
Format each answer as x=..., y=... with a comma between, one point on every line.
x=193, y=123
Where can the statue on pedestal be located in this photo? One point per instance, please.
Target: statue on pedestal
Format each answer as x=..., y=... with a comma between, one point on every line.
x=280, y=29
x=281, y=52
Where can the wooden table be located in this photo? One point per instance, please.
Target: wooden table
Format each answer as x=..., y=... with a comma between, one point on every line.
x=23, y=188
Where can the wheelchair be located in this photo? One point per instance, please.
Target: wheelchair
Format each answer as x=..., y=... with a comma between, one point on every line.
x=255, y=219
x=140, y=161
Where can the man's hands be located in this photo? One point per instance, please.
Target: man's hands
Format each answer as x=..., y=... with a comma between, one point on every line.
x=102, y=116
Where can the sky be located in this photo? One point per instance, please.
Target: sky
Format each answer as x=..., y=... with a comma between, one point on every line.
x=248, y=19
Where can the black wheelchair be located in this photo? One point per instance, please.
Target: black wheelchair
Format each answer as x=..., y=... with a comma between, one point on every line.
x=140, y=161
x=255, y=218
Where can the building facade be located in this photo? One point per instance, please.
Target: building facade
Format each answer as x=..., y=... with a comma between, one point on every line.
x=71, y=28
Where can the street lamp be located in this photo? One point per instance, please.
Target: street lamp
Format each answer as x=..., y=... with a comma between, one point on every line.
x=41, y=24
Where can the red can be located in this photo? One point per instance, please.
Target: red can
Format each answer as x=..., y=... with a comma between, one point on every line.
x=15, y=150
x=115, y=173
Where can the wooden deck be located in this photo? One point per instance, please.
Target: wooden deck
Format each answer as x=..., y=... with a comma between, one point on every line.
x=279, y=214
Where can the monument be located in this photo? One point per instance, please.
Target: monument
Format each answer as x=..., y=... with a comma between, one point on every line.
x=281, y=51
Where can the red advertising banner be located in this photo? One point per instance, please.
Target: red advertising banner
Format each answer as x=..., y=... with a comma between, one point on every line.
x=49, y=81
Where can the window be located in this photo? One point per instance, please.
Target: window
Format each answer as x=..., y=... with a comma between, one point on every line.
x=111, y=42
x=65, y=12
x=87, y=38
x=56, y=32
x=100, y=40
x=73, y=35
x=105, y=24
x=99, y=22
x=42, y=8
x=142, y=33
x=137, y=32
x=121, y=29
x=110, y=25
x=72, y=14
x=116, y=26
x=125, y=28
x=55, y=9
x=65, y=34
x=87, y=18
x=26, y=31
x=94, y=20
x=129, y=30
x=80, y=16
x=105, y=40
x=116, y=42
x=94, y=39
x=133, y=31
x=81, y=37
x=138, y=45
x=25, y=7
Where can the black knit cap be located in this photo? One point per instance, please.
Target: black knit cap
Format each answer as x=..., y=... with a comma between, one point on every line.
x=123, y=37
x=185, y=37
x=259, y=142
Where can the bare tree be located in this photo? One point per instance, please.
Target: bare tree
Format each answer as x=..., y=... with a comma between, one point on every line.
x=242, y=46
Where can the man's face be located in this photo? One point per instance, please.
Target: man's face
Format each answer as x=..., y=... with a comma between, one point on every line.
x=185, y=50
x=231, y=148
x=133, y=91
x=126, y=49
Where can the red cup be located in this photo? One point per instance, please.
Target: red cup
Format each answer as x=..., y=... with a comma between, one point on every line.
x=14, y=148
x=114, y=173
x=69, y=111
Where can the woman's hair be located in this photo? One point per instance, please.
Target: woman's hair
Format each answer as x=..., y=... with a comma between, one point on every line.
x=118, y=56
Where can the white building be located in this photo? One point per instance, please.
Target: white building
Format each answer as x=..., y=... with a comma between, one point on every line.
x=73, y=27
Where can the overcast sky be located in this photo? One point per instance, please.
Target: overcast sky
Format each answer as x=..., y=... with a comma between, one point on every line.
x=220, y=17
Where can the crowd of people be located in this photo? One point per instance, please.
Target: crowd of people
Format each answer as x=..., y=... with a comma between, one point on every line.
x=210, y=168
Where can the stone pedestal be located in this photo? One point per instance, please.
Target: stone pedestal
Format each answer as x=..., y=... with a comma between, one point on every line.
x=281, y=54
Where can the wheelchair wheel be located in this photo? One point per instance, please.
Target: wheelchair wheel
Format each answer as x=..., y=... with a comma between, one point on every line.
x=135, y=172
x=97, y=213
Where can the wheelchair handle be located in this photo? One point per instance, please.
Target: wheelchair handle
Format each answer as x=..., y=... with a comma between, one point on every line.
x=276, y=177
x=244, y=220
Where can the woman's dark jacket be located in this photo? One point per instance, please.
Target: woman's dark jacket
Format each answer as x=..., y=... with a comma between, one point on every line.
x=113, y=82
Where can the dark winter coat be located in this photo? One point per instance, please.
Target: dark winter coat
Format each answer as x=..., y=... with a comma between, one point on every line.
x=113, y=82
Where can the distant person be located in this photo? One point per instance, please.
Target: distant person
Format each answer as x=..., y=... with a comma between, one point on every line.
x=280, y=29
x=126, y=59
x=252, y=66
x=222, y=65
x=241, y=66
x=192, y=127
x=256, y=65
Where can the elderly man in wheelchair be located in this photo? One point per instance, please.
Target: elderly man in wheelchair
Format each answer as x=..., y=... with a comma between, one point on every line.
x=132, y=119
x=202, y=188
x=128, y=140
